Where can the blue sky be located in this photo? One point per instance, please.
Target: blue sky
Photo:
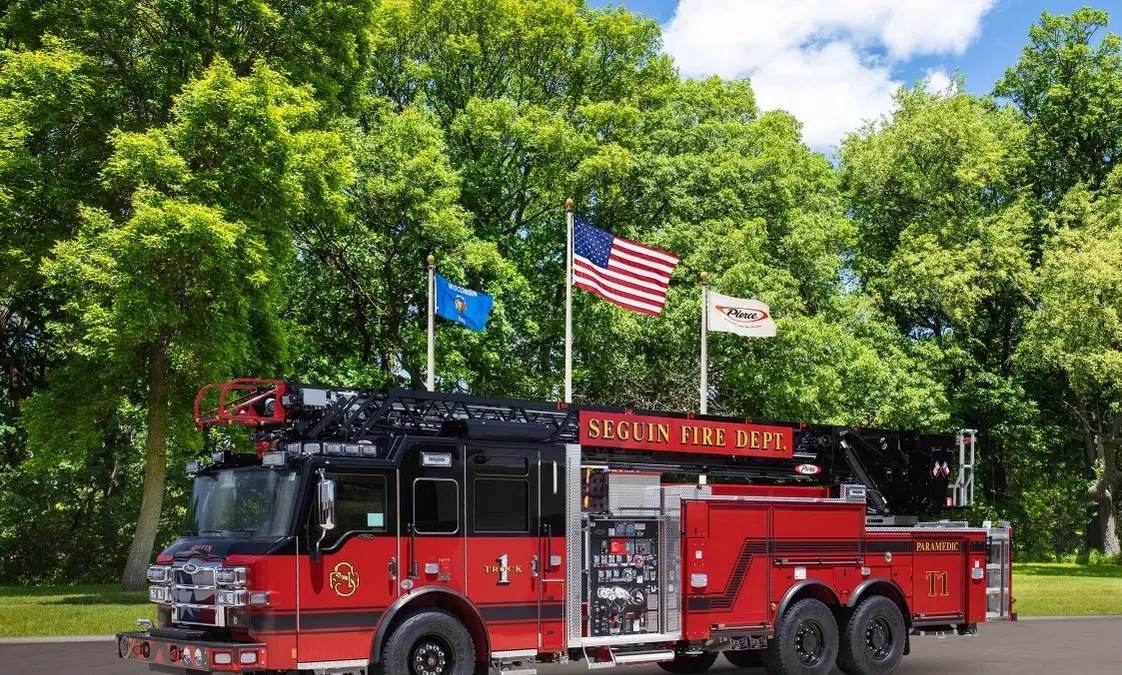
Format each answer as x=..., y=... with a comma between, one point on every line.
x=834, y=63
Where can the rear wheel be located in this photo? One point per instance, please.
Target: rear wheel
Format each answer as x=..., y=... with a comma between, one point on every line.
x=687, y=664
x=431, y=642
x=746, y=658
x=874, y=637
x=806, y=641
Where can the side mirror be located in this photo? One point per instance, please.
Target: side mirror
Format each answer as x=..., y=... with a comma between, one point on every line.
x=325, y=510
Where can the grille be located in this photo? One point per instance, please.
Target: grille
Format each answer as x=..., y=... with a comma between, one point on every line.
x=193, y=590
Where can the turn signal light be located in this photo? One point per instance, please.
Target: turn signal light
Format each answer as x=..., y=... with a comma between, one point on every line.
x=222, y=658
x=248, y=658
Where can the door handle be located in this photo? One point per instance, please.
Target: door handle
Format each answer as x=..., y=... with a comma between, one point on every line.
x=534, y=566
x=393, y=568
x=414, y=570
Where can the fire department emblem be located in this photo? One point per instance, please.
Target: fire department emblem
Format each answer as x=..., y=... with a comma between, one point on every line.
x=343, y=580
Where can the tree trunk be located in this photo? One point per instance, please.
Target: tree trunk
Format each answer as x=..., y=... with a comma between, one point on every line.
x=155, y=471
x=1108, y=508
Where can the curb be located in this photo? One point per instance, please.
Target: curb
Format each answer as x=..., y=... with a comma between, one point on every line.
x=60, y=638
x=1077, y=617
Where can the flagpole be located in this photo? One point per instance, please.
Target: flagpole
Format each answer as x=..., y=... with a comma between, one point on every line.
x=568, y=300
x=432, y=312
x=701, y=480
x=704, y=343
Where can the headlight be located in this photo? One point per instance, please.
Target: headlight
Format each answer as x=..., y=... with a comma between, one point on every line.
x=231, y=598
x=230, y=576
x=158, y=574
x=159, y=594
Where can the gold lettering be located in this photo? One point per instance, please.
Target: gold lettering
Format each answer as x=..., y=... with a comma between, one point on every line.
x=623, y=431
x=609, y=430
x=707, y=436
x=594, y=428
x=721, y=437
x=663, y=433
x=755, y=440
x=517, y=569
x=685, y=433
x=741, y=438
x=767, y=439
x=640, y=433
x=937, y=584
x=779, y=443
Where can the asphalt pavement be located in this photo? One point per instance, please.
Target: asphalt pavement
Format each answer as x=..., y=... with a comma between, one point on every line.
x=1061, y=646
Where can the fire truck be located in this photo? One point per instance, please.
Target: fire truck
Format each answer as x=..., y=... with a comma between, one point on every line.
x=422, y=533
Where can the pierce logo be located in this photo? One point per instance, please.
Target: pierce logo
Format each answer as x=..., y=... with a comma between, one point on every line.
x=743, y=315
x=808, y=469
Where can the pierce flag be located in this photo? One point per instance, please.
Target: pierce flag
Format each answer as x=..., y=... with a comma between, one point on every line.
x=738, y=315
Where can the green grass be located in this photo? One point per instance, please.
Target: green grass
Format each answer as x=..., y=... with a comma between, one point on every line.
x=70, y=610
x=1040, y=589
x=1066, y=589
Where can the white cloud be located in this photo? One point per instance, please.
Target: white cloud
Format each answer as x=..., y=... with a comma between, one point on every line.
x=828, y=62
x=937, y=81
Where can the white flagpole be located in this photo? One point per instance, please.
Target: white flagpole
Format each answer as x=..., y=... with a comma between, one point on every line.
x=569, y=301
x=704, y=343
x=432, y=312
x=701, y=480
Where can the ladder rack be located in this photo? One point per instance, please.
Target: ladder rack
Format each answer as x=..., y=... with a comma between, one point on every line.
x=902, y=471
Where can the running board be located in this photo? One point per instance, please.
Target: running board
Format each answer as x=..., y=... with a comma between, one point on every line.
x=515, y=662
x=631, y=658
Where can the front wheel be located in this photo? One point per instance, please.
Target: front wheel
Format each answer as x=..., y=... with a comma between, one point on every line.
x=806, y=641
x=430, y=642
x=873, y=642
x=689, y=664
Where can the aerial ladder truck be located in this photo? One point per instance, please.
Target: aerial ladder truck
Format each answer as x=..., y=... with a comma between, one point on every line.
x=423, y=533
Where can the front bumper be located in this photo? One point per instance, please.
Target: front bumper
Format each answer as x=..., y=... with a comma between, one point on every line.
x=171, y=654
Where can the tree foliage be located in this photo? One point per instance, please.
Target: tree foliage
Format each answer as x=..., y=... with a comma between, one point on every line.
x=192, y=191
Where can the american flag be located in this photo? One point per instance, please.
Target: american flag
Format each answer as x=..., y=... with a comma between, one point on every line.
x=623, y=272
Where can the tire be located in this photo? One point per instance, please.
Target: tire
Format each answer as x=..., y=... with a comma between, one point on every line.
x=806, y=641
x=688, y=664
x=874, y=638
x=745, y=658
x=430, y=642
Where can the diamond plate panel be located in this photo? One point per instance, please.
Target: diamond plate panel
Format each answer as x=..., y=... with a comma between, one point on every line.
x=574, y=545
x=634, y=493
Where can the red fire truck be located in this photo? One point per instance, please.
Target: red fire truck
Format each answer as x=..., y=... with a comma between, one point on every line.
x=441, y=534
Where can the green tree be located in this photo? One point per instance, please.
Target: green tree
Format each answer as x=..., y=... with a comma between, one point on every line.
x=1068, y=89
x=1077, y=333
x=184, y=286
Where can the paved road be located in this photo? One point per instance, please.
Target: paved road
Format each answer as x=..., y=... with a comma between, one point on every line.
x=1060, y=647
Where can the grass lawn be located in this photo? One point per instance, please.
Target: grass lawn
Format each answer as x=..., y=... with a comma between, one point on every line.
x=1040, y=589
x=1054, y=589
x=70, y=610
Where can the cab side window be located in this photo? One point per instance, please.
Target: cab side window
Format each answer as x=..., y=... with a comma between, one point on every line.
x=360, y=505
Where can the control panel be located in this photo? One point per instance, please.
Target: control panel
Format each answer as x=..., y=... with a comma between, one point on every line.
x=623, y=577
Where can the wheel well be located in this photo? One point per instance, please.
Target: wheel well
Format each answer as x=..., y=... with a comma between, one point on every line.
x=883, y=587
x=809, y=588
x=436, y=598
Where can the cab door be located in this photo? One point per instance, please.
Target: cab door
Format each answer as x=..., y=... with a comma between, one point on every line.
x=504, y=551
x=342, y=596
x=516, y=523
x=433, y=506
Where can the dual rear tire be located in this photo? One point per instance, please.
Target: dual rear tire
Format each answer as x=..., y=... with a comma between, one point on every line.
x=807, y=640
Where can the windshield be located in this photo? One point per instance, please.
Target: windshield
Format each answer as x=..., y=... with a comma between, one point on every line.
x=244, y=502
